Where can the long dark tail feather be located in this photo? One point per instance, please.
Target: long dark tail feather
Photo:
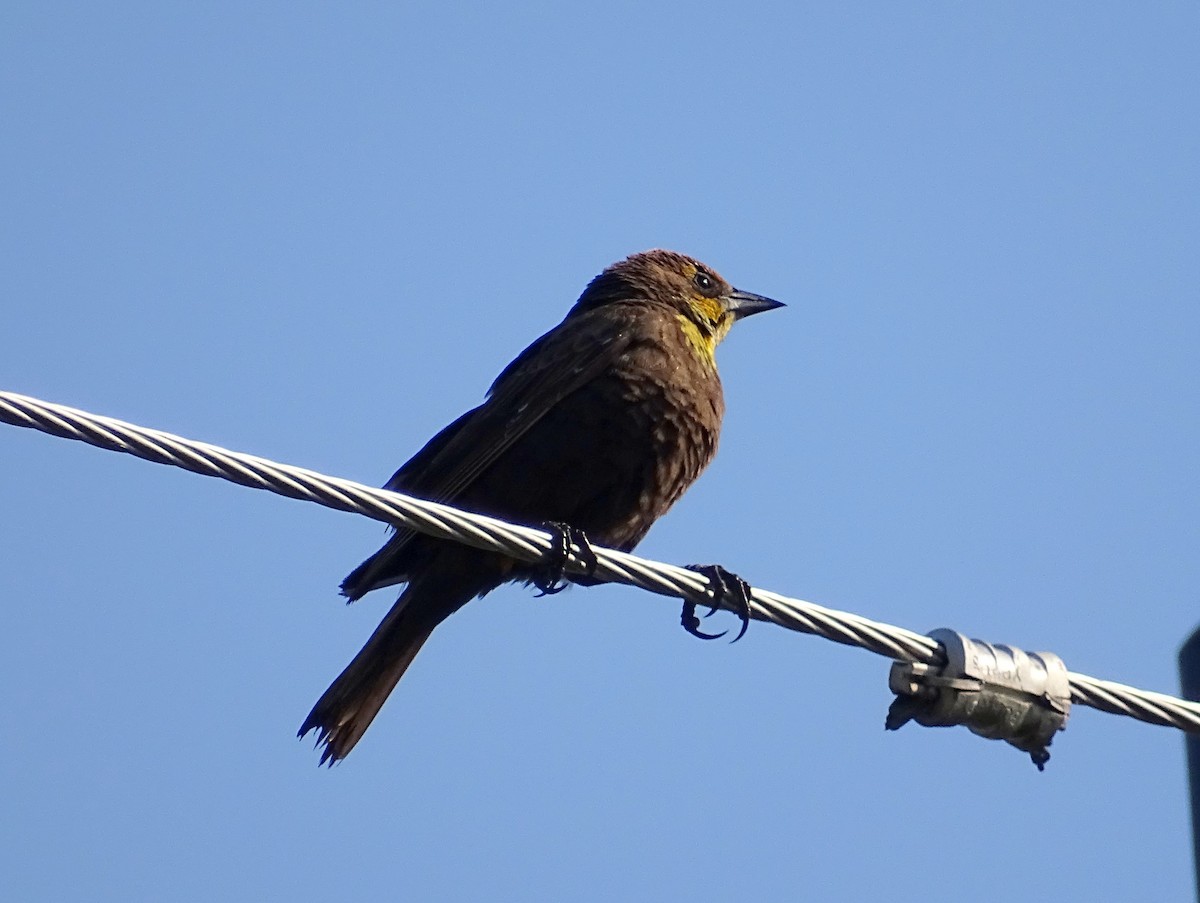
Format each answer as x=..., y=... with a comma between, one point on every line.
x=345, y=711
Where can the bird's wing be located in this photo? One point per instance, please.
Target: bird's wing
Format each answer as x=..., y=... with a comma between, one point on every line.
x=545, y=373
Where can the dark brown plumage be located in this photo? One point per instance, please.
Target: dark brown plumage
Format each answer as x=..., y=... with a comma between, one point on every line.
x=602, y=423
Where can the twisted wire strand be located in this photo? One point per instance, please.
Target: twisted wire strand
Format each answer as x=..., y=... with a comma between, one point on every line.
x=530, y=544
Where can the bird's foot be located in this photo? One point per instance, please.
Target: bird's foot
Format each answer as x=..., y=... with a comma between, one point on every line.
x=725, y=586
x=550, y=579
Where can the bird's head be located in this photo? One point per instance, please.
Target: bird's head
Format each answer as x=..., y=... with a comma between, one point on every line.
x=706, y=305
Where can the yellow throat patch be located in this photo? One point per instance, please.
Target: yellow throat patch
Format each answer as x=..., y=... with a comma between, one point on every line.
x=705, y=327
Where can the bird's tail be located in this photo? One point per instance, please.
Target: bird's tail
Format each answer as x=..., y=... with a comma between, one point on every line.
x=345, y=711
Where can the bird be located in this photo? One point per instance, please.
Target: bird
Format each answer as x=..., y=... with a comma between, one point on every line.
x=598, y=427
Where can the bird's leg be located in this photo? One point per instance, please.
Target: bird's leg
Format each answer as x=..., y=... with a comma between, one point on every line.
x=550, y=579
x=724, y=585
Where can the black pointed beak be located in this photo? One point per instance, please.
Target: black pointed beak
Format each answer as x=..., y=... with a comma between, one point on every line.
x=743, y=304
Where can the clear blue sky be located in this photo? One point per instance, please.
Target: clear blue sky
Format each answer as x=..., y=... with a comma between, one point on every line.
x=316, y=233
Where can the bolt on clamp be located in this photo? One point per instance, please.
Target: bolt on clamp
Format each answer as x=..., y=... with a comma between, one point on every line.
x=998, y=692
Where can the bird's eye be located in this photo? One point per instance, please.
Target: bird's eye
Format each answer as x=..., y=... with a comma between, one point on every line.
x=704, y=282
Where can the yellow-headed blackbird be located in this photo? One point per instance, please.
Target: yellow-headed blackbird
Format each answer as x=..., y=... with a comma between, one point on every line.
x=601, y=424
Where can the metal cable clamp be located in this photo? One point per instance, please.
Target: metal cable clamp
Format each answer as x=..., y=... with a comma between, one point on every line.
x=998, y=692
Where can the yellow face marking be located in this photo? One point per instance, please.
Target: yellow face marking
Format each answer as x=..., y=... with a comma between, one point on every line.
x=706, y=323
x=709, y=309
x=702, y=343
x=705, y=328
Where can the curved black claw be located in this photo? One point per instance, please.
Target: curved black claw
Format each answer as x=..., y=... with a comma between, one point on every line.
x=692, y=624
x=550, y=580
x=725, y=585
